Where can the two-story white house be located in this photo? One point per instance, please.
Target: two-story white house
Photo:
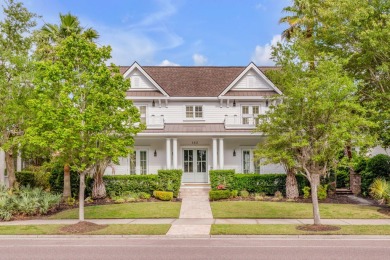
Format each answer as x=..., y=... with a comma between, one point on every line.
x=198, y=119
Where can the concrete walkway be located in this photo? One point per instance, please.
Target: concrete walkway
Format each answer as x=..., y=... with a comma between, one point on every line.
x=195, y=212
x=197, y=222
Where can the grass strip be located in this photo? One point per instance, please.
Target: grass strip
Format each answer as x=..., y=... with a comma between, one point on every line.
x=288, y=210
x=114, y=229
x=281, y=229
x=126, y=210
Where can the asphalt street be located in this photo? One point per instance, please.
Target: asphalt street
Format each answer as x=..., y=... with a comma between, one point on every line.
x=206, y=248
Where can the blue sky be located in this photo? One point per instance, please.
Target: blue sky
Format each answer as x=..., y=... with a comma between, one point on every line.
x=177, y=32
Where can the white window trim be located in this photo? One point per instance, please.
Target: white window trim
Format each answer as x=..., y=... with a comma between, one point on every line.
x=250, y=105
x=251, y=156
x=138, y=159
x=193, y=118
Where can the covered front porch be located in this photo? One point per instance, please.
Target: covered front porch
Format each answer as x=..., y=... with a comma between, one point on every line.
x=195, y=155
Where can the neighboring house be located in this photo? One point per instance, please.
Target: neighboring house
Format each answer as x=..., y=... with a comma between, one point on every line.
x=198, y=119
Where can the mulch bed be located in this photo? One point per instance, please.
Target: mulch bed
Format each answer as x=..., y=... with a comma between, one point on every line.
x=384, y=210
x=82, y=227
x=318, y=228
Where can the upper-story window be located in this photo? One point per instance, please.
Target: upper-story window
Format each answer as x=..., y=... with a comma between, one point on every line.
x=142, y=111
x=136, y=81
x=250, y=114
x=194, y=112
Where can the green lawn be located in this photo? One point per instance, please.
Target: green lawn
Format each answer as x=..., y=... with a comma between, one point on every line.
x=246, y=229
x=126, y=210
x=265, y=209
x=130, y=229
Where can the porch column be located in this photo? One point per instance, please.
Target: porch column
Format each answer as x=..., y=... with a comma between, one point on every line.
x=174, y=148
x=2, y=166
x=168, y=152
x=215, y=154
x=221, y=154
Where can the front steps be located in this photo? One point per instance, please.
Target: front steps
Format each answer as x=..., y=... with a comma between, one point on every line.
x=194, y=190
x=343, y=192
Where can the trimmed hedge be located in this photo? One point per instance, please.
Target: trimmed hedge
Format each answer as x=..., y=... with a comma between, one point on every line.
x=254, y=183
x=33, y=179
x=116, y=185
x=165, y=180
x=170, y=180
x=56, y=181
x=376, y=167
x=219, y=194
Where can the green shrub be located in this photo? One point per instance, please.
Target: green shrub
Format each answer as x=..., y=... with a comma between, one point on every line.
x=234, y=193
x=33, y=179
x=219, y=194
x=244, y=193
x=224, y=177
x=26, y=201
x=144, y=195
x=342, y=177
x=170, y=180
x=380, y=190
x=322, y=191
x=117, y=185
x=306, y=192
x=376, y=167
x=163, y=195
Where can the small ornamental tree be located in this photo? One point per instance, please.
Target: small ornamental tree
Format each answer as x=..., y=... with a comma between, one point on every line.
x=81, y=109
x=318, y=116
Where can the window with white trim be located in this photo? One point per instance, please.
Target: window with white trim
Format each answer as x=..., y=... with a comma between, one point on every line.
x=142, y=111
x=136, y=81
x=143, y=162
x=249, y=164
x=250, y=114
x=194, y=112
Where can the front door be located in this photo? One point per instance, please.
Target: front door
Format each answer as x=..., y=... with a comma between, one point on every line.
x=195, y=165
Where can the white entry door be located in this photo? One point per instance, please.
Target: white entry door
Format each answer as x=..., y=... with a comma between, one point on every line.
x=195, y=165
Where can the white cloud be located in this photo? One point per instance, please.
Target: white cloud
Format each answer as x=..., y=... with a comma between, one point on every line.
x=261, y=7
x=199, y=60
x=262, y=54
x=167, y=10
x=168, y=63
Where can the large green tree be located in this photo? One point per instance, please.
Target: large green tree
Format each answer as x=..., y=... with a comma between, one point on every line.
x=319, y=114
x=47, y=37
x=16, y=70
x=81, y=110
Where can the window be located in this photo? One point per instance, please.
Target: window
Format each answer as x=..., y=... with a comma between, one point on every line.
x=143, y=162
x=250, y=114
x=246, y=161
x=249, y=164
x=133, y=162
x=194, y=112
x=142, y=111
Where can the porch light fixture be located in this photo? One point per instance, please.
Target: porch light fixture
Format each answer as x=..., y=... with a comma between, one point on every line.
x=234, y=103
x=153, y=103
x=234, y=152
x=155, y=153
x=266, y=103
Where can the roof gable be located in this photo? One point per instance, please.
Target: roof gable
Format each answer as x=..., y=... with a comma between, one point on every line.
x=141, y=81
x=251, y=79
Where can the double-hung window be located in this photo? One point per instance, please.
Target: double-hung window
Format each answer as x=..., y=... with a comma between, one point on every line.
x=194, y=112
x=250, y=114
x=139, y=162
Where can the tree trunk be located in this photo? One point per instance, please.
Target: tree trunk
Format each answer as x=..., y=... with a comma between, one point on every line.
x=67, y=193
x=292, y=191
x=99, y=189
x=315, y=181
x=10, y=165
x=81, y=196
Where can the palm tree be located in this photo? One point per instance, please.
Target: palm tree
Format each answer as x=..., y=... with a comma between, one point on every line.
x=52, y=34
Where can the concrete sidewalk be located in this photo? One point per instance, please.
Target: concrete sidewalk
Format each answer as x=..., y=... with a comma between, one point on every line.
x=200, y=221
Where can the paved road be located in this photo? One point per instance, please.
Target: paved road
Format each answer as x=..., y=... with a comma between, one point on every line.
x=211, y=248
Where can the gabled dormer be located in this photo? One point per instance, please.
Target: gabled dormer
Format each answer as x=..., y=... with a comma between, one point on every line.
x=251, y=83
x=143, y=85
